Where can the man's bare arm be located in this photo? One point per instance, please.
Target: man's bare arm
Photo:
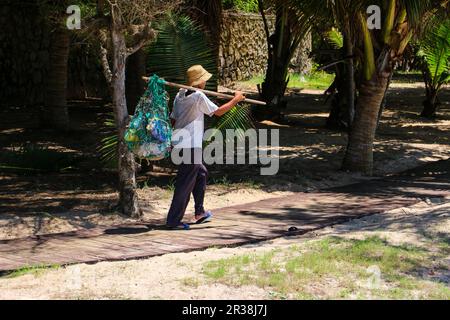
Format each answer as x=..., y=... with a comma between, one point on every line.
x=238, y=97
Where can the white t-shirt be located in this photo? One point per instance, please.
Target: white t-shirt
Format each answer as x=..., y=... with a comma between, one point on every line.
x=189, y=115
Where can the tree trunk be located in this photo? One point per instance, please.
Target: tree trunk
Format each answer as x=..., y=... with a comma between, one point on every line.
x=135, y=85
x=336, y=119
x=127, y=166
x=56, y=114
x=384, y=102
x=350, y=81
x=430, y=105
x=359, y=155
x=343, y=90
x=280, y=55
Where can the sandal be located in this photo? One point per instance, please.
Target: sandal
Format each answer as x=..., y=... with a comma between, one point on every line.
x=205, y=217
x=181, y=226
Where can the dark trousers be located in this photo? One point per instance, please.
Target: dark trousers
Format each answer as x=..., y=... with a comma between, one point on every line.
x=191, y=178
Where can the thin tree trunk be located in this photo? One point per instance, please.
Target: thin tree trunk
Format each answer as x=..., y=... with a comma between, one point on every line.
x=383, y=103
x=335, y=120
x=359, y=156
x=280, y=54
x=350, y=77
x=56, y=114
x=135, y=85
x=127, y=167
x=343, y=91
x=430, y=105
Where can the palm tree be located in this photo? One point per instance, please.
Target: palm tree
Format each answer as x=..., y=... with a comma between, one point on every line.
x=292, y=25
x=55, y=98
x=378, y=51
x=382, y=48
x=435, y=50
x=56, y=114
x=342, y=90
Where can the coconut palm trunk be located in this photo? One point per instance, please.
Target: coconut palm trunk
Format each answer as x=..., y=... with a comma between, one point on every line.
x=359, y=156
x=376, y=52
x=431, y=104
x=56, y=114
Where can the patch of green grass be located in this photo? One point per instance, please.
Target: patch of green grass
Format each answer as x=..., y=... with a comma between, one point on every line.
x=223, y=181
x=348, y=264
x=171, y=186
x=252, y=184
x=407, y=77
x=317, y=80
x=34, y=270
x=245, y=182
x=242, y=5
x=219, y=269
x=145, y=185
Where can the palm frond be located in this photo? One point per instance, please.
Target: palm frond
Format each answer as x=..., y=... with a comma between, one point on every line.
x=335, y=38
x=415, y=10
x=180, y=44
x=436, y=51
x=107, y=148
x=239, y=119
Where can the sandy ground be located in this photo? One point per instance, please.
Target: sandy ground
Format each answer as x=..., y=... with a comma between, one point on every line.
x=310, y=159
x=179, y=275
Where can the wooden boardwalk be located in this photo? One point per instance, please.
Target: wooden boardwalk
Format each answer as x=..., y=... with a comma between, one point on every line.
x=233, y=225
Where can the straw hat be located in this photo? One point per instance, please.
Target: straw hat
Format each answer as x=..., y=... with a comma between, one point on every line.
x=196, y=75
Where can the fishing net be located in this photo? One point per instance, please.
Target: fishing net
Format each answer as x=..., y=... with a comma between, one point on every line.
x=149, y=133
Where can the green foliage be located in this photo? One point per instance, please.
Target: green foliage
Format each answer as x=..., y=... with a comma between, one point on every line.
x=107, y=149
x=241, y=5
x=180, y=45
x=435, y=49
x=319, y=80
x=35, y=270
x=335, y=38
x=239, y=118
x=30, y=157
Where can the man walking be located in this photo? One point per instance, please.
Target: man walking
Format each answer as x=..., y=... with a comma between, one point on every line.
x=187, y=117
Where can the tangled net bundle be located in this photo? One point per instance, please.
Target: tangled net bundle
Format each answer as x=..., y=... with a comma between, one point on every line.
x=149, y=133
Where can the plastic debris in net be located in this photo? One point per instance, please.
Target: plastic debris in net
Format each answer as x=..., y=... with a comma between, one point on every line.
x=149, y=133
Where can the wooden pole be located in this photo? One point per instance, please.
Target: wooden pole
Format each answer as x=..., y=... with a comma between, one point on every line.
x=210, y=93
